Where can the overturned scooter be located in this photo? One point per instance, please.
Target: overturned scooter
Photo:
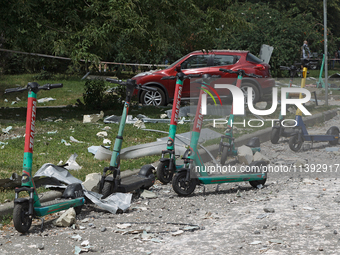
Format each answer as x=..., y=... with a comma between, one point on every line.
x=25, y=209
x=111, y=183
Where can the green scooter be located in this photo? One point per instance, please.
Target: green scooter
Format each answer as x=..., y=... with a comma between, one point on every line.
x=25, y=209
x=227, y=145
x=195, y=172
x=167, y=166
x=111, y=183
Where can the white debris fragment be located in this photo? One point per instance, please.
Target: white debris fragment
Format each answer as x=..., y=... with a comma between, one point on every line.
x=106, y=141
x=66, y=219
x=45, y=100
x=102, y=134
x=72, y=139
x=139, y=124
x=177, y=233
x=93, y=117
x=72, y=164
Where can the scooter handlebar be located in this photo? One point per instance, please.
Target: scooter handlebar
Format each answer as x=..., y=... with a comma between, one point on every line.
x=51, y=86
x=147, y=88
x=193, y=76
x=15, y=90
x=284, y=68
x=253, y=75
x=114, y=80
x=227, y=70
x=168, y=78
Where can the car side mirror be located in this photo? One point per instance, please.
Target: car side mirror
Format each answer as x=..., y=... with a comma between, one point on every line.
x=178, y=68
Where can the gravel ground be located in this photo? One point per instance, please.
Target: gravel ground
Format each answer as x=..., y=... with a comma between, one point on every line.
x=292, y=214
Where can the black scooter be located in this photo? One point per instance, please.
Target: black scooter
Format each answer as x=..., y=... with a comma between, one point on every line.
x=111, y=183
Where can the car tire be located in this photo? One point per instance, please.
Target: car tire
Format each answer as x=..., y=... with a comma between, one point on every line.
x=256, y=93
x=155, y=98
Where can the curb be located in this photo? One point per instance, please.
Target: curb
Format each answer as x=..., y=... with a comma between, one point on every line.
x=263, y=135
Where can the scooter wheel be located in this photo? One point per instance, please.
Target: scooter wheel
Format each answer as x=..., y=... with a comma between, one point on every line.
x=258, y=167
x=21, y=219
x=164, y=174
x=335, y=132
x=294, y=143
x=107, y=189
x=181, y=186
x=77, y=209
x=224, y=156
x=275, y=135
x=147, y=171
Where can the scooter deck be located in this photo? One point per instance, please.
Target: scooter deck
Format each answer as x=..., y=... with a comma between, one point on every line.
x=58, y=205
x=319, y=138
x=231, y=178
x=134, y=182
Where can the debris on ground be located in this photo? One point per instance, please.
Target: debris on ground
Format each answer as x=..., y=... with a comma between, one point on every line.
x=93, y=117
x=45, y=99
x=103, y=153
x=66, y=219
x=139, y=124
x=72, y=139
x=72, y=164
x=91, y=182
x=102, y=134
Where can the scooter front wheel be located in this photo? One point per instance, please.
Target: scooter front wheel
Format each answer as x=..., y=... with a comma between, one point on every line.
x=107, y=189
x=21, y=219
x=182, y=186
x=275, y=135
x=257, y=165
x=334, y=131
x=294, y=143
x=224, y=155
x=164, y=173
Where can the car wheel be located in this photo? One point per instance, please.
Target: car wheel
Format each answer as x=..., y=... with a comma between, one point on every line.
x=255, y=94
x=153, y=97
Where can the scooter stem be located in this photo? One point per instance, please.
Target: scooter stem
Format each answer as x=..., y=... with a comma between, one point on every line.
x=303, y=84
x=174, y=115
x=27, y=179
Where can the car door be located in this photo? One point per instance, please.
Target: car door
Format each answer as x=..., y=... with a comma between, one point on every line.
x=195, y=64
x=226, y=62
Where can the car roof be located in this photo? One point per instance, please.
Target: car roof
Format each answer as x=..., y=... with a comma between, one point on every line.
x=221, y=51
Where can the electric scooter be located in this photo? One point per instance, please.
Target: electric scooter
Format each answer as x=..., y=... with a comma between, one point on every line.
x=278, y=130
x=185, y=180
x=227, y=148
x=301, y=133
x=167, y=166
x=111, y=183
x=25, y=209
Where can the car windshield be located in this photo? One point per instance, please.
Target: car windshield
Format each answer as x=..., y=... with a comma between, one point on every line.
x=176, y=62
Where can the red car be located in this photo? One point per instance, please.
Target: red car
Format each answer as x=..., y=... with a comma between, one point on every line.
x=199, y=62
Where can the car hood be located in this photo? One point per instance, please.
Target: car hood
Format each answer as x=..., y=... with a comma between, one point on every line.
x=158, y=72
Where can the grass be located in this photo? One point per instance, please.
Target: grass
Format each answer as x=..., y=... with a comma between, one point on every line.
x=55, y=124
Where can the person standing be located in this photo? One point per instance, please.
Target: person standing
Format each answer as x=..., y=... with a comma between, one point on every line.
x=305, y=50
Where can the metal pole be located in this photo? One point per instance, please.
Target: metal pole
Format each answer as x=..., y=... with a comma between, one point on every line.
x=326, y=50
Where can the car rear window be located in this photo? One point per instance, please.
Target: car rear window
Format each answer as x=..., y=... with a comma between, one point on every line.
x=252, y=58
x=224, y=60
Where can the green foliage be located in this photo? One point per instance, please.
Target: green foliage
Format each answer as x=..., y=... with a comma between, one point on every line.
x=43, y=75
x=284, y=30
x=94, y=94
x=151, y=31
